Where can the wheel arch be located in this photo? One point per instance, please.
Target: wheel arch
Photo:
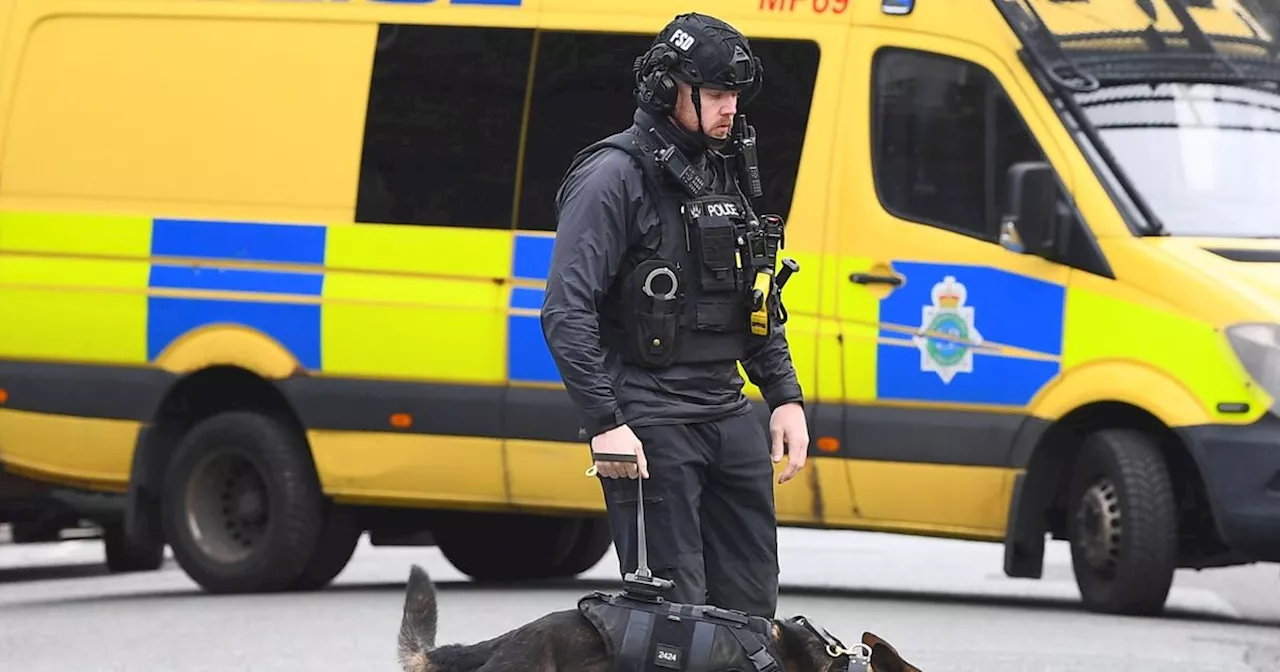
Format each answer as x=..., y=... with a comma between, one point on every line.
x=1038, y=505
x=191, y=399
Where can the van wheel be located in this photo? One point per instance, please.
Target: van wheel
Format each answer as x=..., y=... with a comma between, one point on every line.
x=1123, y=522
x=242, y=506
x=508, y=547
x=594, y=539
x=126, y=555
x=337, y=544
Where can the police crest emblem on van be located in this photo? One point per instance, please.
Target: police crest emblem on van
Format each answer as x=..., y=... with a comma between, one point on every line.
x=949, y=318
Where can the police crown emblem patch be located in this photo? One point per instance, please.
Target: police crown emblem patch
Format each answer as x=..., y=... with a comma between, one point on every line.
x=947, y=332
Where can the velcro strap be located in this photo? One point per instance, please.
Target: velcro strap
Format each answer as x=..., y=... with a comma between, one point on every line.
x=614, y=457
x=632, y=655
x=760, y=657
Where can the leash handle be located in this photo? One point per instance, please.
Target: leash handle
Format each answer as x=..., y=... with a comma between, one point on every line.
x=642, y=581
x=642, y=551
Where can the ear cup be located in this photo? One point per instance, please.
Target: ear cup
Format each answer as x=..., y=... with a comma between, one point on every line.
x=664, y=90
x=655, y=88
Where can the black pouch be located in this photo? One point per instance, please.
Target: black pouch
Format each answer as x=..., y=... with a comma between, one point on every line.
x=658, y=316
x=714, y=237
x=719, y=314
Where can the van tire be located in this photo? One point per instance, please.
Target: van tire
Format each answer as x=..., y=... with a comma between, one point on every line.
x=593, y=541
x=126, y=555
x=248, y=481
x=1121, y=483
x=499, y=547
x=337, y=545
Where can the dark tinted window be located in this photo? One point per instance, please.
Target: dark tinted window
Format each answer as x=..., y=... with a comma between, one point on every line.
x=780, y=115
x=443, y=130
x=582, y=86
x=945, y=135
x=582, y=93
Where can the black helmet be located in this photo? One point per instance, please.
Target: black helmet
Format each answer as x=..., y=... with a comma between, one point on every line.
x=701, y=50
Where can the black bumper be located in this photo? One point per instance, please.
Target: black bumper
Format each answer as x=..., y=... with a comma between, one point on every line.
x=1240, y=466
x=24, y=499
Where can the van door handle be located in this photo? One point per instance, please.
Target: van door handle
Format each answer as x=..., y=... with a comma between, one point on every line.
x=872, y=279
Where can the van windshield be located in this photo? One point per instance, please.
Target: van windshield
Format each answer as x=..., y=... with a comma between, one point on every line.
x=1204, y=157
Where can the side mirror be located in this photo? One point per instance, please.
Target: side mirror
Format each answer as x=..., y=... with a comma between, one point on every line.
x=1030, y=224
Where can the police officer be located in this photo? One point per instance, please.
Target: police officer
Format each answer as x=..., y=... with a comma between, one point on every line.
x=648, y=312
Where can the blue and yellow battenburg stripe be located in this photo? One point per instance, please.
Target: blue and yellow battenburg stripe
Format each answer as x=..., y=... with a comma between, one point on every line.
x=1021, y=314
x=287, y=305
x=528, y=357
x=404, y=301
x=291, y=319
x=393, y=302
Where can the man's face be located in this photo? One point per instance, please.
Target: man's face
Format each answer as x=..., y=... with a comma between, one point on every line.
x=718, y=108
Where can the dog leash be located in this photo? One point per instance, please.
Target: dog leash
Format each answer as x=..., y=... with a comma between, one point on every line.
x=641, y=581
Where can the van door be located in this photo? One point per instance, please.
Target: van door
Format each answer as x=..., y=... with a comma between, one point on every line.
x=948, y=336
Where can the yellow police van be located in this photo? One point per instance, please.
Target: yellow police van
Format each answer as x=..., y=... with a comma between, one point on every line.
x=270, y=275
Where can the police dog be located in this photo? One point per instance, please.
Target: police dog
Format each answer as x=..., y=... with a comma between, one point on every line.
x=566, y=640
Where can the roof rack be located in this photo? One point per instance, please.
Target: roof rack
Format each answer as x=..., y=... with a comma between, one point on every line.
x=1084, y=60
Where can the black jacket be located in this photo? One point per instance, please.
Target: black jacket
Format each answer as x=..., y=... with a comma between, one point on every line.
x=600, y=205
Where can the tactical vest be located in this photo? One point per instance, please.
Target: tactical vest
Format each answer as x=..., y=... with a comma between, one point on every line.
x=680, y=295
x=655, y=636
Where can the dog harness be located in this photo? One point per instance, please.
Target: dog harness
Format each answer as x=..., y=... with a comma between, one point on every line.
x=644, y=632
x=654, y=635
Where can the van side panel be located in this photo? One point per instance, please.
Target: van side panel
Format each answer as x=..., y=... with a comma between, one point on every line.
x=231, y=207
x=217, y=118
x=328, y=233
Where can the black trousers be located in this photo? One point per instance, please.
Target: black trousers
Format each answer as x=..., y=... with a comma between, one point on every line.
x=710, y=518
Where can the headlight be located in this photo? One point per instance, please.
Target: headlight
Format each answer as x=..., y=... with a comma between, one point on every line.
x=1258, y=348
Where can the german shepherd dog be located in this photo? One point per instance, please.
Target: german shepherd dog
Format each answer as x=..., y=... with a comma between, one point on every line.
x=566, y=640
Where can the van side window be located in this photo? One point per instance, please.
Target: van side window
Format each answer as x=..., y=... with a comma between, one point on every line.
x=582, y=93
x=442, y=135
x=944, y=135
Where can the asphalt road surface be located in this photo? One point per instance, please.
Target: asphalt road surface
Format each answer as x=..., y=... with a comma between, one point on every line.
x=944, y=604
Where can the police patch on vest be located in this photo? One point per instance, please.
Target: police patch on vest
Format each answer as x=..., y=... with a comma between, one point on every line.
x=667, y=656
x=723, y=210
x=715, y=208
x=714, y=224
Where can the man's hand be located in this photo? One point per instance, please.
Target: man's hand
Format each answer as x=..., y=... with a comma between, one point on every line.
x=788, y=429
x=619, y=441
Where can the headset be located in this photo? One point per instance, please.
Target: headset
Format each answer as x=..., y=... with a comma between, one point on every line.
x=656, y=88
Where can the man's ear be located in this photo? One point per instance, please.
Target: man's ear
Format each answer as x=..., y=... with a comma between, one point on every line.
x=885, y=658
